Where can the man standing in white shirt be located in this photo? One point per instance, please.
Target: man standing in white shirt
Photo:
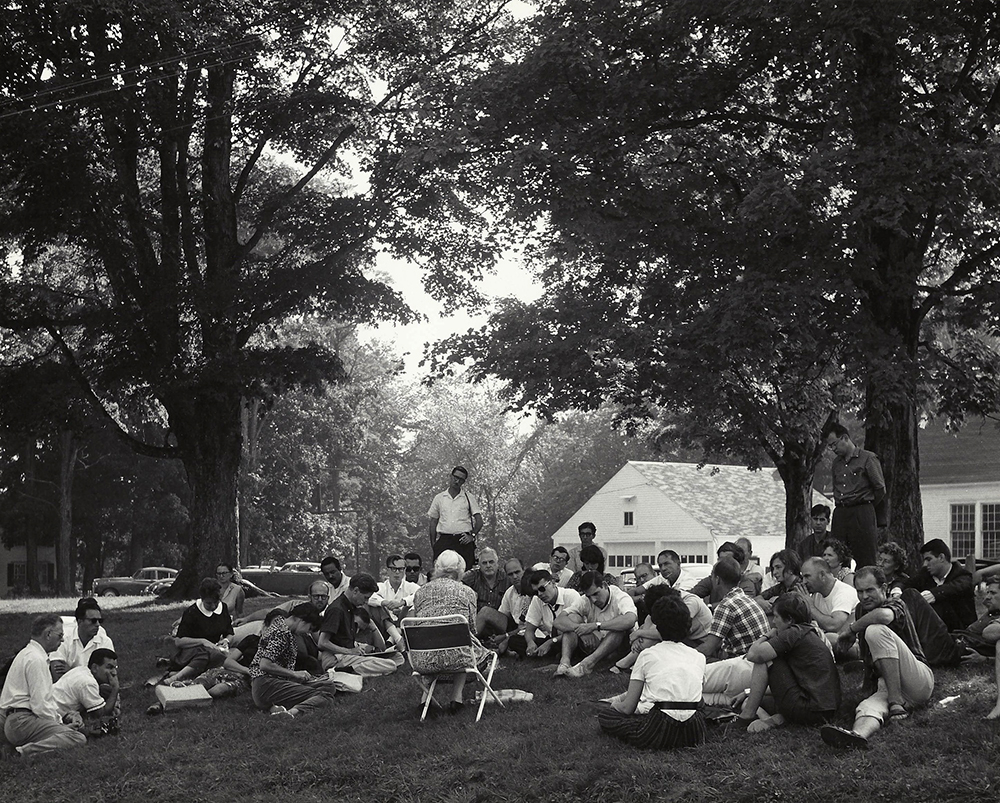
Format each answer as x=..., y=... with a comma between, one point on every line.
x=454, y=519
x=28, y=714
x=80, y=638
x=598, y=624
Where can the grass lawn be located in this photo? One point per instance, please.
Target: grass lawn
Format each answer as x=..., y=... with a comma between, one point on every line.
x=370, y=747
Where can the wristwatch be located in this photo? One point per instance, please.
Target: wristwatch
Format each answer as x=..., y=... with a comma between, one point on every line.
x=598, y=625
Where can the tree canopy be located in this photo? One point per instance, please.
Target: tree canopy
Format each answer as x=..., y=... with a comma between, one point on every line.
x=208, y=171
x=749, y=212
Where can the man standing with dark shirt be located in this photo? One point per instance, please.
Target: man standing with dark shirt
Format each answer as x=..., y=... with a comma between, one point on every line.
x=859, y=490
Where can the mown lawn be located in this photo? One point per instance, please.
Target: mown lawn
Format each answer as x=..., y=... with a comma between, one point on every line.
x=370, y=747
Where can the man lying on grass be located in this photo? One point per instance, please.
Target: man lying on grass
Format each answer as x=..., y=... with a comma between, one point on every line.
x=896, y=671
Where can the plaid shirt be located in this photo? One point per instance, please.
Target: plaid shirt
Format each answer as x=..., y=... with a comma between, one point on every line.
x=739, y=621
x=487, y=596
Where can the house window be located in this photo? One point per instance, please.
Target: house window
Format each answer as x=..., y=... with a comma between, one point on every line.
x=629, y=518
x=694, y=558
x=963, y=530
x=991, y=531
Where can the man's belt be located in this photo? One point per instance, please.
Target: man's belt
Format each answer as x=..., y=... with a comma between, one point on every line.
x=456, y=535
x=19, y=711
x=856, y=503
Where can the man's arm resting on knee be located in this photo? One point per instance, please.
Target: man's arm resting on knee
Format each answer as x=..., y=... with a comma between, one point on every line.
x=761, y=651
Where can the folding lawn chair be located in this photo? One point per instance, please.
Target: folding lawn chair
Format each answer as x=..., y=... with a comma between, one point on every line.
x=442, y=645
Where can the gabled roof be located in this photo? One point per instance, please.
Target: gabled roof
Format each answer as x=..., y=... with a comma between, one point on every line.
x=730, y=500
x=970, y=455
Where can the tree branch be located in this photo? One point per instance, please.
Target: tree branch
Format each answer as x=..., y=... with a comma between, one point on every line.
x=140, y=447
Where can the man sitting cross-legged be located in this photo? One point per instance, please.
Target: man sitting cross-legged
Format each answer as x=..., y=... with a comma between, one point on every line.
x=29, y=720
x=896, y=672
x=794, y=676
x=660, y=708
x=548, y=602
x=276, y=685
x=338, y=635
x=79, y=699
x=598, y=625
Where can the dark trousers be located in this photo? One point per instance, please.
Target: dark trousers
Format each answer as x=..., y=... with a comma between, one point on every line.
x=856, y=527
x=451, y=541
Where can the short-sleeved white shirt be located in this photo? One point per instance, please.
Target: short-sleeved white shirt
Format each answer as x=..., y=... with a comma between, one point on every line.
x=841, y=598
x=541, y=615
x=73, y=651
x=514, y=603
x=77, y=690
x=618, y=603
x=454, y=515
x=669, y=671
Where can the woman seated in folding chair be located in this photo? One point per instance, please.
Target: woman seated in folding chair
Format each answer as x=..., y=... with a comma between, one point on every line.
x=444, y=595
x=660, y=710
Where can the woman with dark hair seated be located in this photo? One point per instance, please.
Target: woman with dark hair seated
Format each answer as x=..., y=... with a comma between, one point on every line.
x=202, y=635
x=795, y=664
x=277, y=686
x=838, y=557
x=661, y=709
x=785, y=569
x=593, y=561
x=891, y=559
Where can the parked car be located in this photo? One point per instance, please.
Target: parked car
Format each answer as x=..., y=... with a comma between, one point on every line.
x=136, y=584
x=292, y=579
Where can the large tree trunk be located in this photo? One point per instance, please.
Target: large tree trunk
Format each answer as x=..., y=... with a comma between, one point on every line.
x=34, y=522
x=209, y=437
x=251, y=416
x=797, y=470
x=69, y=447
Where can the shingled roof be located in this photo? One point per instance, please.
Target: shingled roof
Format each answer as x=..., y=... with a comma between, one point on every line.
x=730, y=500
x=970, y=455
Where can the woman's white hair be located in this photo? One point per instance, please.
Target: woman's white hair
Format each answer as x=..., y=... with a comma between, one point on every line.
x=449, y=564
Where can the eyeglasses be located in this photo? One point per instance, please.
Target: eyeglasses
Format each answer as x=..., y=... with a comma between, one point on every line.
x=413, y=568
x=458, y=478
x=222, y=574
x=398, y=569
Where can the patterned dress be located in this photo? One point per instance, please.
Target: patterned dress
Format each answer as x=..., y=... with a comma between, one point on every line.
x=443, y=596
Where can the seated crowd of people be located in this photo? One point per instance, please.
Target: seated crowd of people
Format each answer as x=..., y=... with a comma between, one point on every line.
x=762, y=645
